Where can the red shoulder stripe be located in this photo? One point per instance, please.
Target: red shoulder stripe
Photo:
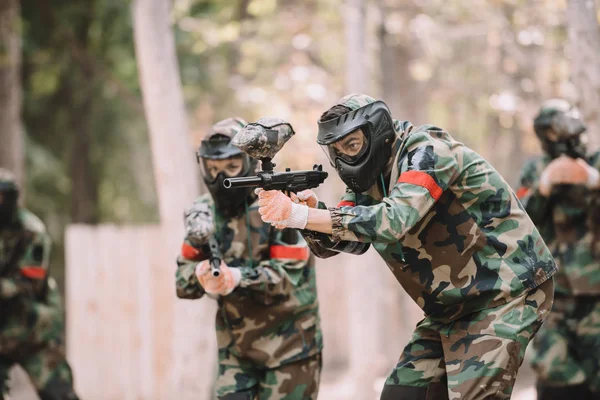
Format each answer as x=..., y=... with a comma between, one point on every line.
x=33, y=272
x=290, y=252
x=190, y=253
x=422, y=179
x=522, y=192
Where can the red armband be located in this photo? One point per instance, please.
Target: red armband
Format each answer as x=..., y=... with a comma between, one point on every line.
x=290, y=252
x=346, y=203
x=33, y=272
x=191, y=253
x=522, y=192
x=422, y=179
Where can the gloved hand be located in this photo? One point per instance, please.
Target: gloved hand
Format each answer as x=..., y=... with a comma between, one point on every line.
x=228, y=279
x=280, y=211
x=306, y=197
x=566, y=170
x=8, y=288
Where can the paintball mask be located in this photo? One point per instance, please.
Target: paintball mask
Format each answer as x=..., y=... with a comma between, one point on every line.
x=358, y=143
x=9, y=194
x=217, y=146
x=561, y=130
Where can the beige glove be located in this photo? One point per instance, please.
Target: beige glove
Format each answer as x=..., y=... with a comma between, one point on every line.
x=222, y=285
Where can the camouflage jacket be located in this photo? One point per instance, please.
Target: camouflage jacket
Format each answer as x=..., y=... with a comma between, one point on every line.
x=569, y=221
x=272, y=318
x=31, y=306
x=448, y=226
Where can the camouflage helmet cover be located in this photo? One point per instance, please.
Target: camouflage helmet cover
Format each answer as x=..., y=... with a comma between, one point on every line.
x=217, y=143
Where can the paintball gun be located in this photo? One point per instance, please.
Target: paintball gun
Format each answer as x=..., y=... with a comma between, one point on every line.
x=262, y=140
x=200, y=231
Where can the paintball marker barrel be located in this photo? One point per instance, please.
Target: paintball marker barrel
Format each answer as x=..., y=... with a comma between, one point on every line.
x=251, y=181
x=215, y=257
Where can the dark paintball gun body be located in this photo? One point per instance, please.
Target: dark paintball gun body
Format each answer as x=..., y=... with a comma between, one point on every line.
x=288, y=181
x=262, y=140
x=200, y=231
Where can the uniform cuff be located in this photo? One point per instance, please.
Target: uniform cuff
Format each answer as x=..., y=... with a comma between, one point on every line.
x=298, y=217
x=337, y=227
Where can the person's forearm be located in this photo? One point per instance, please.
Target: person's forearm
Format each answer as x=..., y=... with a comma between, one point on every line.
x=319, y=221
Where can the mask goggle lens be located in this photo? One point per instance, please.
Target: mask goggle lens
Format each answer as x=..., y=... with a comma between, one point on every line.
x=230, y=167
x=349, y=148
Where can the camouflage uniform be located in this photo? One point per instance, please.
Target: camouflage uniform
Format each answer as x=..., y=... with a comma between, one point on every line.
x=457, y=239
x=31, y=321
x=568, y=346
x=268, y=329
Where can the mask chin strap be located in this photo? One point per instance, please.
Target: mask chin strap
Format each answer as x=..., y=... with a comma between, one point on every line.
x=383, y=185
x=385, y=194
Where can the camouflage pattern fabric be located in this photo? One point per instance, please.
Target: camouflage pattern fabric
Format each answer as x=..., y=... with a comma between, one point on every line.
x=451, y=229
x=478, y=355
x=263, y=138
x=460, y=243
x=31, y=322
x=569, y=223
x=567, y=348
x=272, y=319
x=295, y=381
x=199, y=224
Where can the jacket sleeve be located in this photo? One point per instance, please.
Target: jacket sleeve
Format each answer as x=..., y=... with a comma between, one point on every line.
x=47, y=317
x=33, y=262
x=427, y=168
x=186, y=283
x=283, y=270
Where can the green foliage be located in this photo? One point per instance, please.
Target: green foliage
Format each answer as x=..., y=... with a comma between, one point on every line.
x=80, y=83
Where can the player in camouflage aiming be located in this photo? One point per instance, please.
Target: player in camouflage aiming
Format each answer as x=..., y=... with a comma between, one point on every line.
x=451, y=231
x=31, y=313
x=560, y=193
x=268, y=328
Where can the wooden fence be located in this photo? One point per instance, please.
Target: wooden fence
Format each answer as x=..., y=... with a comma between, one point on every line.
x=123, y=318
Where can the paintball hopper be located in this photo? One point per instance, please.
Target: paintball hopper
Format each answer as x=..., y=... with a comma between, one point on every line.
x=199, y=225
x=263, y=138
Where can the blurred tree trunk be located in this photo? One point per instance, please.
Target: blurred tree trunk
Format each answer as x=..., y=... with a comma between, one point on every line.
x=365, y=274
x=192, y=343
x=404, y=95
x=12, y=155
x=584, y=41
x=79, y=87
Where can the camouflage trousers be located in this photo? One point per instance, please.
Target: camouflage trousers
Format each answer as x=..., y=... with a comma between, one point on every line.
x=567, y=349
x=47, y=368
x=242, y=380
x=473, y=358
